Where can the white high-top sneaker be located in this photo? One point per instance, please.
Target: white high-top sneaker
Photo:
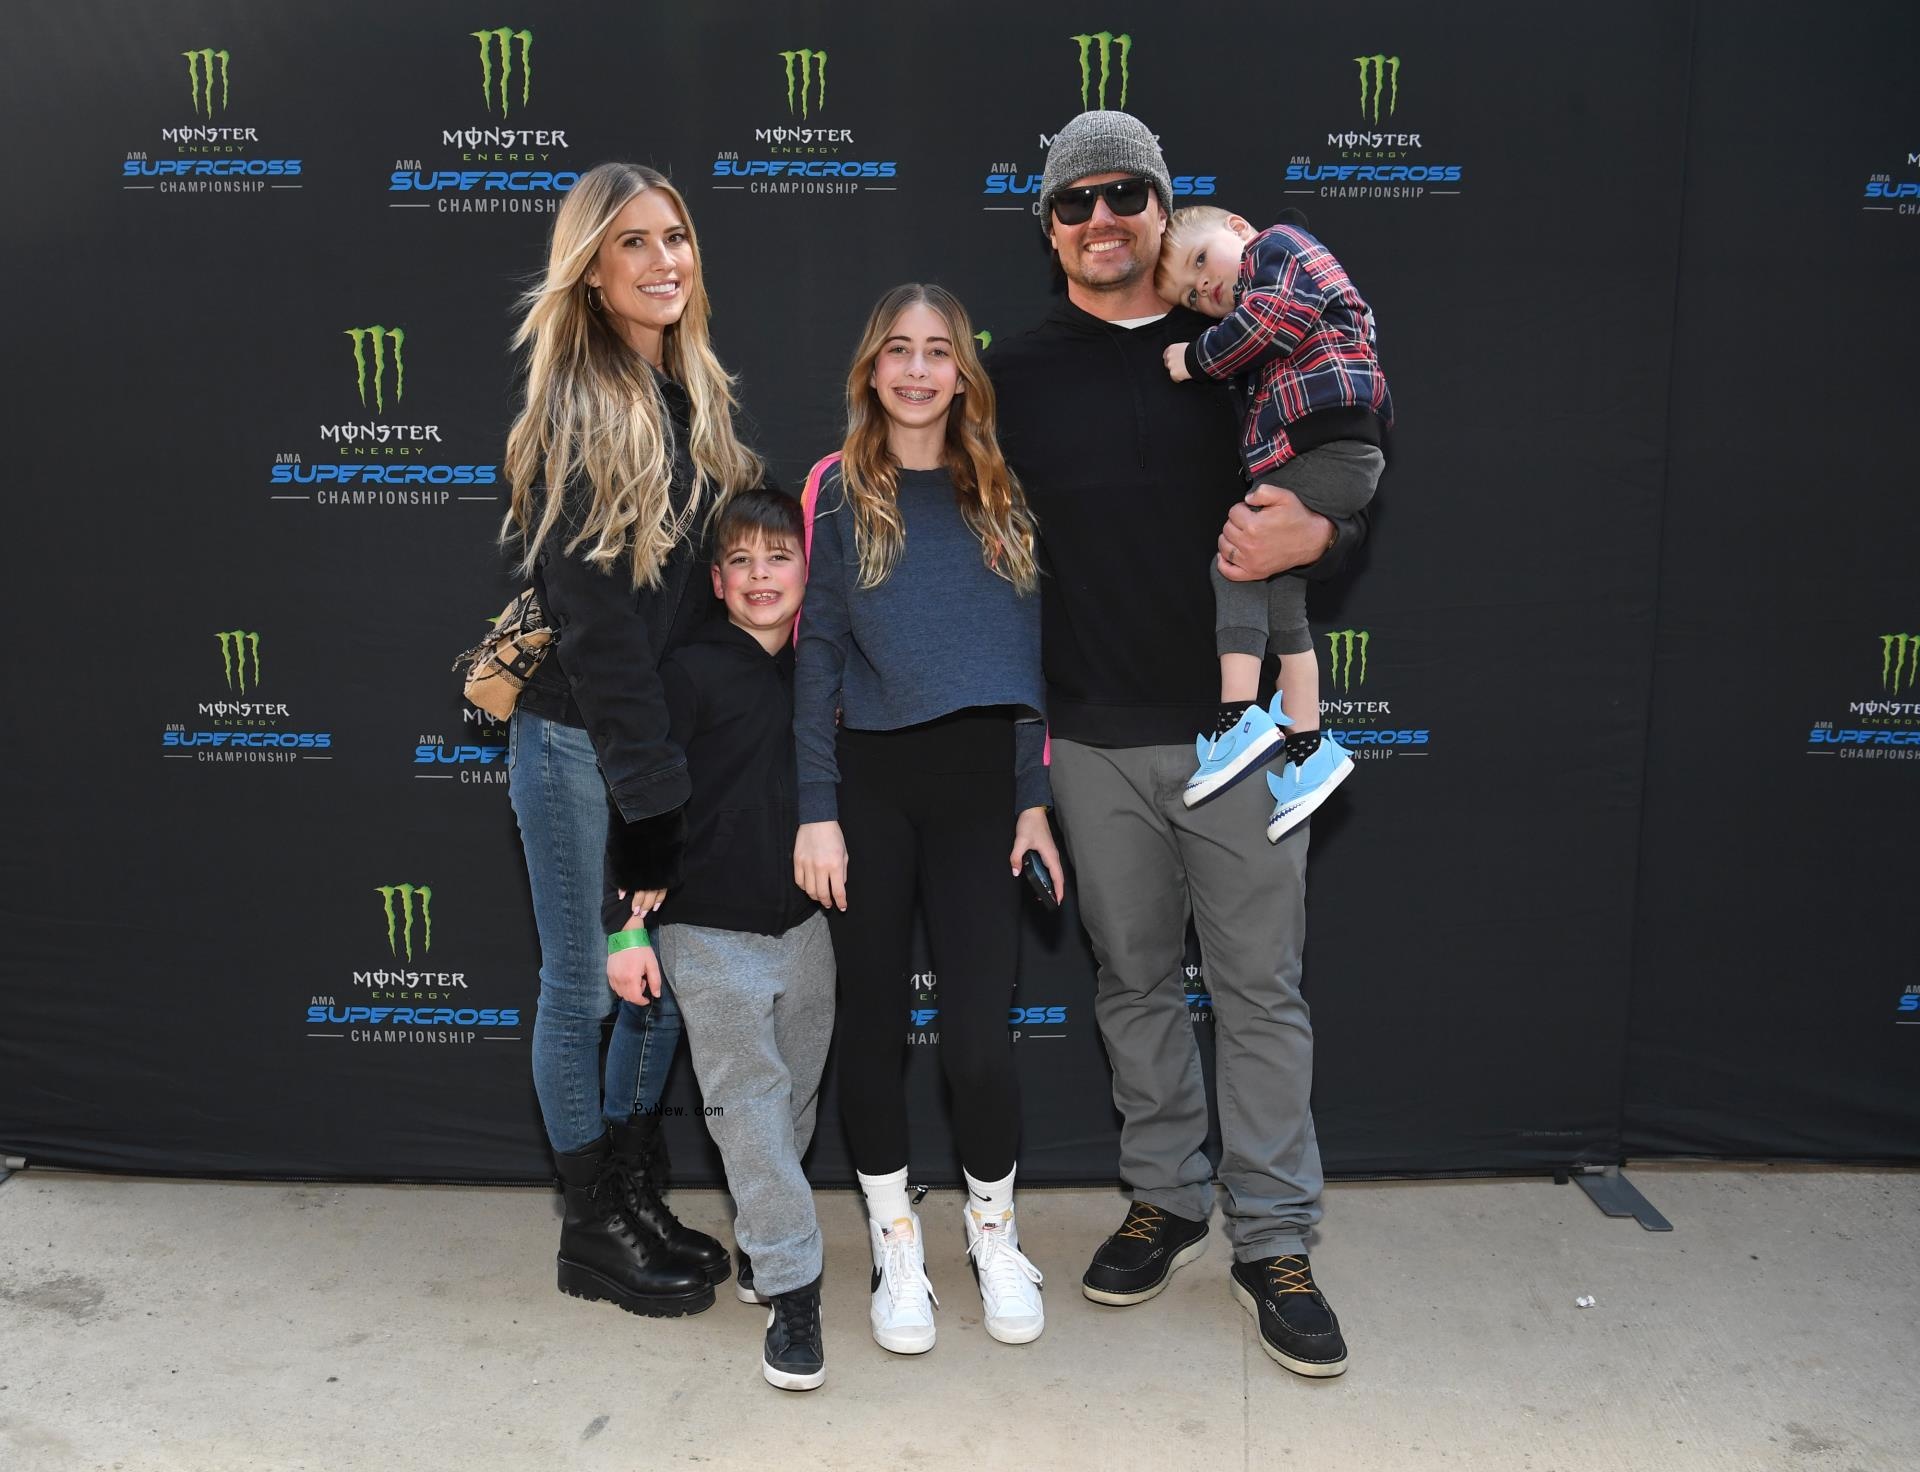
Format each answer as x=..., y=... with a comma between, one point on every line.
x=1009, y=1284
x=903, y=1298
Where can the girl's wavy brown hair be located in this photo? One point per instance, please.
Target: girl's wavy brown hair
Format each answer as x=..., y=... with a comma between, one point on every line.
x=991, y=501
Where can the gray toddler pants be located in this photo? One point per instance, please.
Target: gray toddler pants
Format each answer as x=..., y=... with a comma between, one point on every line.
x=1334, y=479
x=758, y=1011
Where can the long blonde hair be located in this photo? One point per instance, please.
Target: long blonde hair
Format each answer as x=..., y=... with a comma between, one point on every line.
x=593, y=405
x=991, y=501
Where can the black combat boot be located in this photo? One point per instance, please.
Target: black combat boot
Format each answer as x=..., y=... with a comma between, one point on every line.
x=604, y=1256
x=641, y=1156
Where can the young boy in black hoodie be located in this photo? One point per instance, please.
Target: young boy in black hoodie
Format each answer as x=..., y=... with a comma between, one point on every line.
x=747, y=951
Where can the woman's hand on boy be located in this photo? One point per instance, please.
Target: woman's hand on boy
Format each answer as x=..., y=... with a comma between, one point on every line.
x=1032, y=831
x=642, y=901
x=820, y=863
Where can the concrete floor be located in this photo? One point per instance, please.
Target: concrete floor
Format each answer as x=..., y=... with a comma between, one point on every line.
x=208, y=1326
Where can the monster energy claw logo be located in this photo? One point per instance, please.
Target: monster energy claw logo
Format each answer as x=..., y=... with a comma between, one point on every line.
x=381, y=337
x=1385, y=76
x=505, y=36
x=984, y=338
x=1899, y=660
x=405, y=939
x=1340, y=647
x=1107, y=41
x=810, y=61
x=235, y=646
x=200, y=78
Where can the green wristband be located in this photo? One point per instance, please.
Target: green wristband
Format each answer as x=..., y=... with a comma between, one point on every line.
x=626, y=940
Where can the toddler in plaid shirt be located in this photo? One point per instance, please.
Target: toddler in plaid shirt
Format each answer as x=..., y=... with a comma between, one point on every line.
x=1297, y=341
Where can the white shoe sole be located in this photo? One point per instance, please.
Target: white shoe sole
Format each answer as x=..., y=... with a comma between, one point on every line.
x=749, y=1295
x=782, y=1380
x=1280, y=827
x=1241, y=766
x=1122, y=1300
x=1285, y=1361
x=1025, y=1334
x=904, y=1341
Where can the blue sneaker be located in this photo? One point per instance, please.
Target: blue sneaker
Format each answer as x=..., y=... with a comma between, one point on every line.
x=1229, y=756
x=1299, y=790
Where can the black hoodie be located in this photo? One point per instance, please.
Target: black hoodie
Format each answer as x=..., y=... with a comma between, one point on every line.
x=1131, y=477
x=730, y=709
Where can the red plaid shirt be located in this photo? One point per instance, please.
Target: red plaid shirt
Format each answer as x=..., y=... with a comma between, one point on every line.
x=1304, y=339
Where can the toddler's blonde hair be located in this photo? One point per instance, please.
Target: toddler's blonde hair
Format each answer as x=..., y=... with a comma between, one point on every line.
x=1182, y=226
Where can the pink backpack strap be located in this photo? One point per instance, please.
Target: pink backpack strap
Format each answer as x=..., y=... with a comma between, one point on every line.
x=809, y=502
x=810, y=497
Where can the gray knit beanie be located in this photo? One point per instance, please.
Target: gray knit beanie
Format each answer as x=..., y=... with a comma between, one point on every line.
x=1102, y=143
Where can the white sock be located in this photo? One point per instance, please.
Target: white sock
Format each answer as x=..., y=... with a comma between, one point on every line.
x=886, y=1198
x=990, y=1201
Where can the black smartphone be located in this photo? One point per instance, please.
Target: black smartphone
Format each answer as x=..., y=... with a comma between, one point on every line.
x=1038, y=877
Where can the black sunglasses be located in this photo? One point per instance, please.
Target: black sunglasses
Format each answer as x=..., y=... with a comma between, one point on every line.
x=1123, y=196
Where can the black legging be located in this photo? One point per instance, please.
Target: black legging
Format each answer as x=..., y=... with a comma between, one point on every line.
x=928, y=811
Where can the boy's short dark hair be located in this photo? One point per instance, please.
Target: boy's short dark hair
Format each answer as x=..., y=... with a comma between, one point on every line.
x=758, y=514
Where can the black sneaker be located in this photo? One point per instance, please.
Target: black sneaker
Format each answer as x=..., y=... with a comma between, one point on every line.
x=1297, y=1326
x=743, y=1288
x=793, y=1359
x=1135, y=1262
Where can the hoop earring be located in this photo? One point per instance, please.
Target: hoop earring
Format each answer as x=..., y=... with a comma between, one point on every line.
x=594, y=303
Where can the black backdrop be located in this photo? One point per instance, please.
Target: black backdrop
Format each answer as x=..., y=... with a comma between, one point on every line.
x=1630, y=663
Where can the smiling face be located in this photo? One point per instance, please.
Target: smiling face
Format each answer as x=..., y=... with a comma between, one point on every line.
x=915, y=376
x=761, y=578
x=1109, y=252
x=644, y=271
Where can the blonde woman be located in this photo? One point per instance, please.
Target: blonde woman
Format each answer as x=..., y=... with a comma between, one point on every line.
x=625, y=444
x=922, y=627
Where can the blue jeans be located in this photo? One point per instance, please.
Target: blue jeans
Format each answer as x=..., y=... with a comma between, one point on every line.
x=561, y=802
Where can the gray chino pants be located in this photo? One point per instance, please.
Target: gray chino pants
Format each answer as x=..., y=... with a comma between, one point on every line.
x=1145, y=863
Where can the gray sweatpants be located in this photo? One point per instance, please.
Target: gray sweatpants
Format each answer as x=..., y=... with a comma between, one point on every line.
x=1334, y=479
x=758, y=1011
x=1145, y=862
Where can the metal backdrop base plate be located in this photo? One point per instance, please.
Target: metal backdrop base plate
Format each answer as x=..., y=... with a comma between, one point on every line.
x=1609, y=1189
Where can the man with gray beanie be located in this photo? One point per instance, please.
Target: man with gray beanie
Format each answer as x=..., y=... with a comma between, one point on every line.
x=1136, y=481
